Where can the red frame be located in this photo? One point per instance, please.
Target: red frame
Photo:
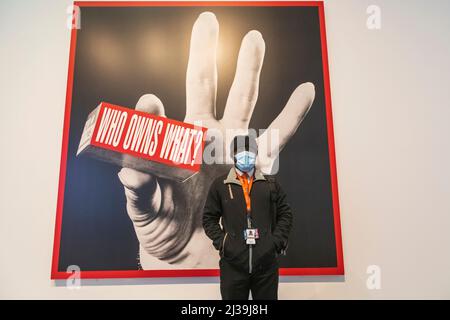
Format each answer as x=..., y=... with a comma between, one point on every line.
x=338, y=270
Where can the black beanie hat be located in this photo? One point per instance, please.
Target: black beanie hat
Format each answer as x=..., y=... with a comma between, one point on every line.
x=243, y=143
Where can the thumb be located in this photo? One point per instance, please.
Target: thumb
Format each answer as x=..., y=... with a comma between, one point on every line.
x=136, y=180
x=133, y=179
x=151, y=104
x=143, y=194
x=142, y=189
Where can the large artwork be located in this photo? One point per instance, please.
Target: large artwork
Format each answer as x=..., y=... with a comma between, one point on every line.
x=219, y=69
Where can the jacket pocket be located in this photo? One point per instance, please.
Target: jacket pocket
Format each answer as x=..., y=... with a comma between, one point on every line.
x=234, y=247
x=265, y=249
x=222, y=249
x=274, y=246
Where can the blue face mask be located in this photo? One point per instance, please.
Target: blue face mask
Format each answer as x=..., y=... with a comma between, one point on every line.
x=245, y=161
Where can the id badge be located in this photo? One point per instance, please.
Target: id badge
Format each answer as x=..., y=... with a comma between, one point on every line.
x=250, y=235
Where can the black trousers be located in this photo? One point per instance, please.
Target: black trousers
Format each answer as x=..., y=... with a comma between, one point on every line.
x=236, y=283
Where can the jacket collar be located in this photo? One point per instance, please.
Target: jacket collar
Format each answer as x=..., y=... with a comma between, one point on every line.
x=232, y=178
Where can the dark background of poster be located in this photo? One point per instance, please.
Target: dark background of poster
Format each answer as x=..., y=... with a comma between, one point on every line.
x=123, y=53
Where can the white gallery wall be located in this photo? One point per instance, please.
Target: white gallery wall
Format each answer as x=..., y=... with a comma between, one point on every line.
x=391, y=107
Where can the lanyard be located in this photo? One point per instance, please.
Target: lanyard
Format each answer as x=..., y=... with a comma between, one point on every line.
x=246, y=188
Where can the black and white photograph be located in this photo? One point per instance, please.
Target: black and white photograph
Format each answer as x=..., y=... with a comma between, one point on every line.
x=254, y=70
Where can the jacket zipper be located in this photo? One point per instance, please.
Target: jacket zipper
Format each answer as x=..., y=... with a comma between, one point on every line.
x=250, y=249
x=250, y=255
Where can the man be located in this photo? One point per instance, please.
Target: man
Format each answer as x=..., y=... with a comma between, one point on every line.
x=256, y=222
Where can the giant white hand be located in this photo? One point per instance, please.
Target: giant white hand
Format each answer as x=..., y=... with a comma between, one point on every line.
x=166, y=215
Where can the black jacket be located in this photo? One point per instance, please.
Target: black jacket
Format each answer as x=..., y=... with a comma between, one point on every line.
x=272, y=217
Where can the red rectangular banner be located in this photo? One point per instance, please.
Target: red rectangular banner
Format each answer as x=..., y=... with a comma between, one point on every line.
x=142, y=141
